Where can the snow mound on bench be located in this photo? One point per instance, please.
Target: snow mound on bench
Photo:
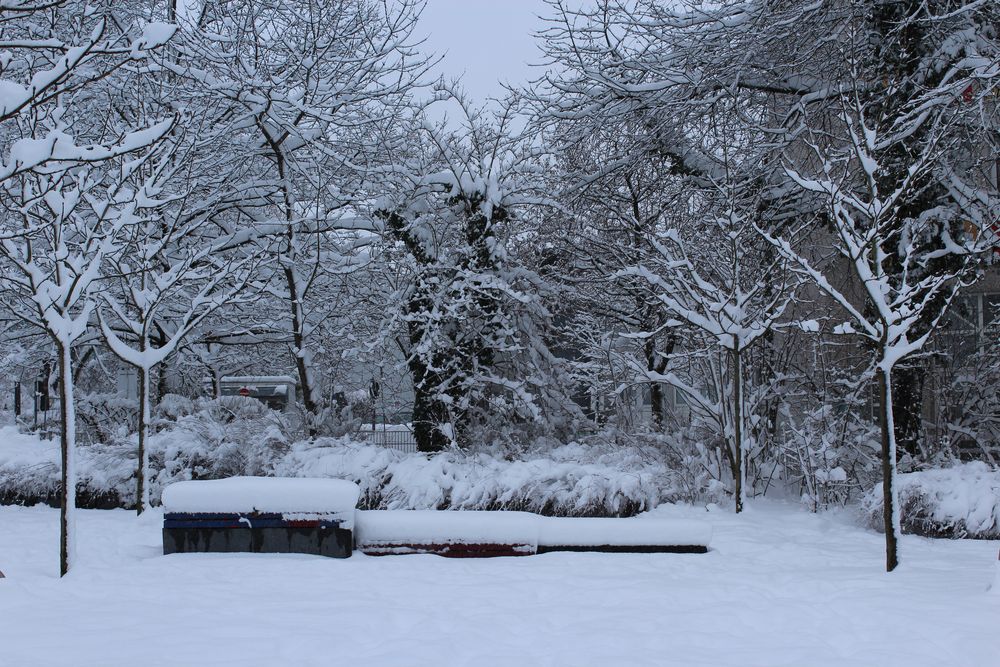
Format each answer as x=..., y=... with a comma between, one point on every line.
x=585, y=532
x=263, y=494
x=426, y=527
x=430, y=527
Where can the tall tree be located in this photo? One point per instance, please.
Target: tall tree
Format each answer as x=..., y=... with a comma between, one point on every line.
x=172, y=270
x=67, y=166
x=309, y=86
x=471, y=313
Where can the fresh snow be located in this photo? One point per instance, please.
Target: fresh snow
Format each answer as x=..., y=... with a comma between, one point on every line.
x=263, y=494
x=523, y=528
x=780, y=588
x=638, y=531
x=434, y=527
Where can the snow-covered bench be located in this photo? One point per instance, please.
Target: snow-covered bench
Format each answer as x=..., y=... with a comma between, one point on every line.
x=260, y=514
x=482, y=534
x=456, y=534
x=623, y=535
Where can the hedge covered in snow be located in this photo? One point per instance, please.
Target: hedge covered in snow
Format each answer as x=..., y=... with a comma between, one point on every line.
x=568, y=480
x=30, y=471
x=958, y=502
x=565, y=480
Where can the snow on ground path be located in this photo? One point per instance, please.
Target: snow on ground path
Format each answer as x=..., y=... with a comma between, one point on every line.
x=781, y=587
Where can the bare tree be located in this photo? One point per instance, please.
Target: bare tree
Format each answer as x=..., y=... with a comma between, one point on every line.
x=172, y=271
x=73, y=219
x=64, y=179
x=886, y=252
x=309, y=87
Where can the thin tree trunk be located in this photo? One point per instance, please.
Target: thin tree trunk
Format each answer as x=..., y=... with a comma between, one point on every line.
x=141, y=487
x=298, y=346
x=656, y=405
x=67, y=446
x=162, y=385
x=295, y=298
x=890, y=509
x=739, y=474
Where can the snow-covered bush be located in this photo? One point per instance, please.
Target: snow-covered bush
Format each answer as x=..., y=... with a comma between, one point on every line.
x=222, y=437
x=958, y=502
x=30, y=471
x=829, y=455
x=568, y=480
x=334, y=419
x=104, y=417
x=969, y=403
x=227, y=436
x=172, y=407
x=233, y=437
x=695, y=456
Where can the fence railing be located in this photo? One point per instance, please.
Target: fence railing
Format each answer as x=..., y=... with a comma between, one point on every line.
x=401, y=439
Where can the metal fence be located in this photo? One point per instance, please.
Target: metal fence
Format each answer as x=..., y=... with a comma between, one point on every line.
x=402, y=440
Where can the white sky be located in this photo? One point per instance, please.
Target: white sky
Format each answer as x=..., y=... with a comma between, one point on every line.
x=484, y=41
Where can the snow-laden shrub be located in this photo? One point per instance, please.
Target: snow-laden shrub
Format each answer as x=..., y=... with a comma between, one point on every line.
x=568, y=480
x=227, y=436
x=105, y=417
x=958, y=502
x=969, y=403
x=829, y=456
x=695, y=458
x=172, y=407
x=30, y=472
x=337, y=419
x=224, y=437
x=594, y=479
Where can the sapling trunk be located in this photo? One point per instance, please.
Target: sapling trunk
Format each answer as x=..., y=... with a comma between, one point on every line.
x=142, y=472
x=890, y=515
x=67, y=447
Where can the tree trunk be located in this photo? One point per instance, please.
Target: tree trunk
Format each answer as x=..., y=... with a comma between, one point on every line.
x=428, y=414
x=429, y=411
x=296, y=296
x=890, y=510
x=656, y=405
x=656, y=397
x=299, y=343
x=162, y=383
x=142, y=472
x=67, y=446
x=739, y=466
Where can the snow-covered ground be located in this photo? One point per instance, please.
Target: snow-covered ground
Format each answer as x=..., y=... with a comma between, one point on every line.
x=780, y=587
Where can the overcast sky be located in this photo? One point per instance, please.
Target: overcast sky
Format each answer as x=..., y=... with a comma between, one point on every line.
x=484, y=41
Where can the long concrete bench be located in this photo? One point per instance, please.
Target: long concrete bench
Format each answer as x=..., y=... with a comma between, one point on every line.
x=484, y=534
x=261, y=515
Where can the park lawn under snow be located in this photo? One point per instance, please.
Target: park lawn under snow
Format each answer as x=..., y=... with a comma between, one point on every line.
x=780, y=587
